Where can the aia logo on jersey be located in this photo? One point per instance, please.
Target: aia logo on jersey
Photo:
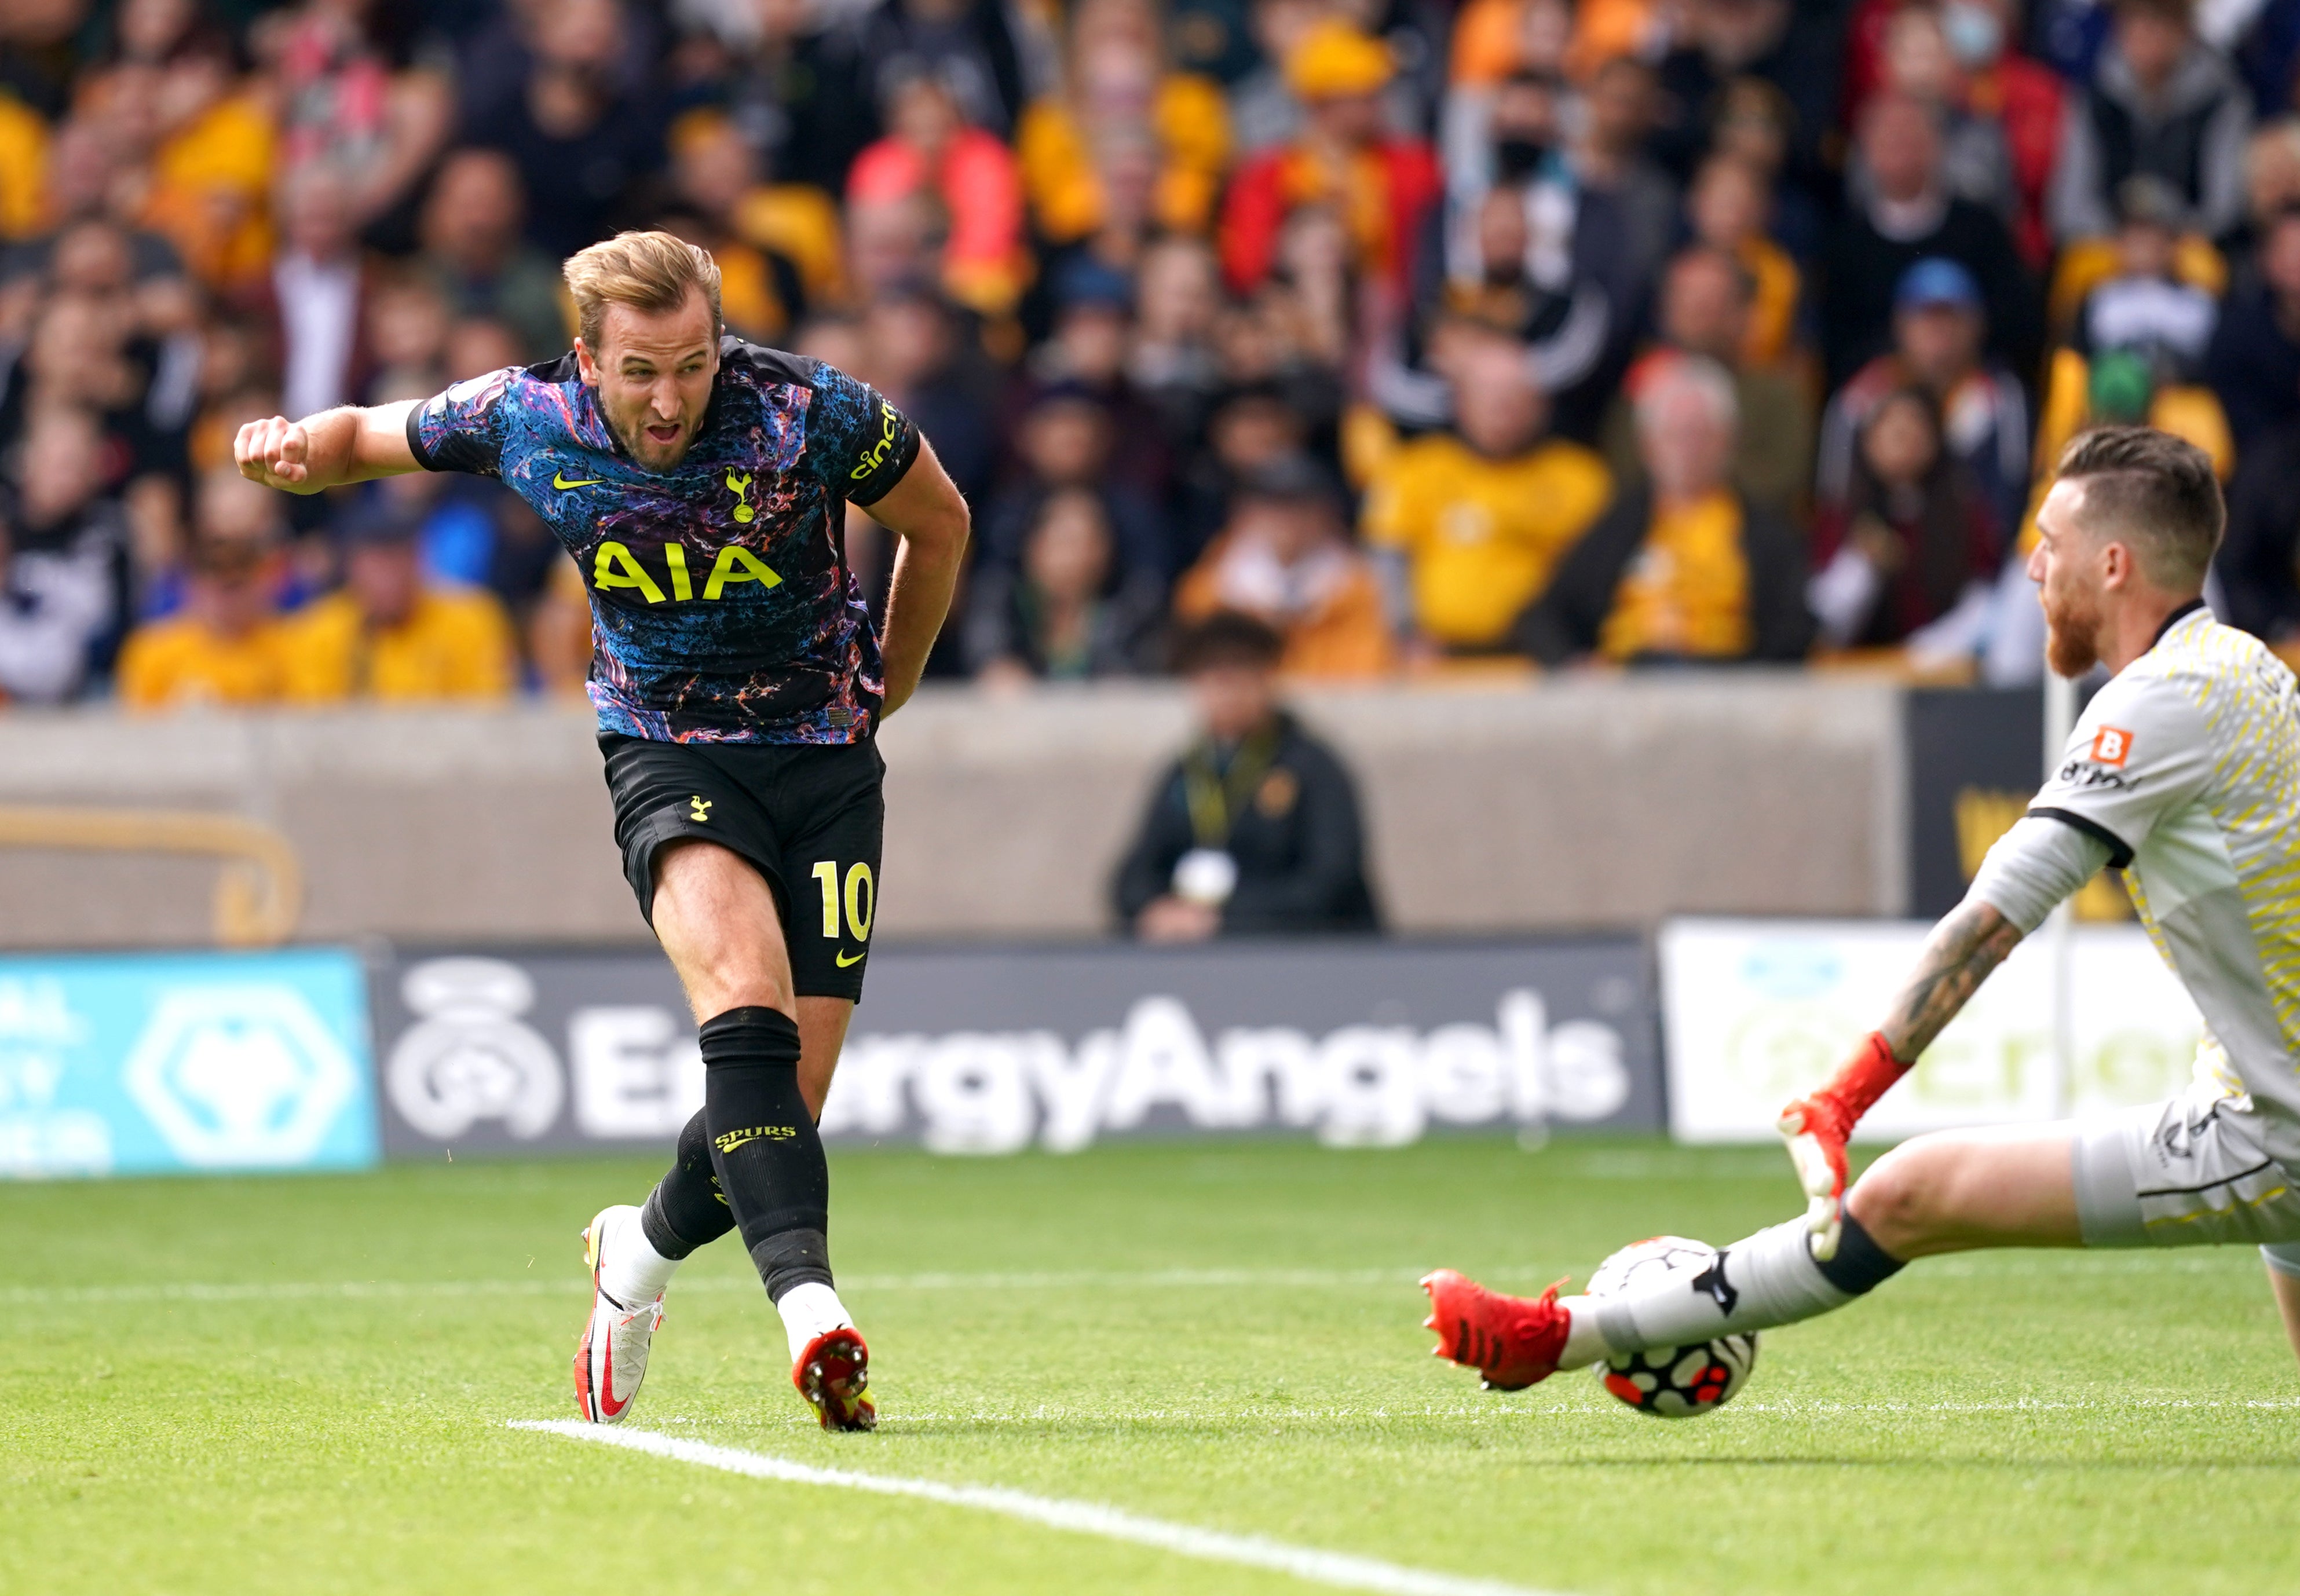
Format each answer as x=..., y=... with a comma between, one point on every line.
x=2111, y=745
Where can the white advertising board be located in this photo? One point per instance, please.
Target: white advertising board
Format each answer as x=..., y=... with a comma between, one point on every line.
x=1756, y=1013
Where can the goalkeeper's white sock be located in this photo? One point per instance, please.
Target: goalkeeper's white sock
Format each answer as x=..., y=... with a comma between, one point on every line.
x=809, y=1310
x=630, y=1270
x=1769, y=1279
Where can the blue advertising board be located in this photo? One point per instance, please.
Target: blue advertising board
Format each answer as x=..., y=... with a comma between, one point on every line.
x=162, y=1063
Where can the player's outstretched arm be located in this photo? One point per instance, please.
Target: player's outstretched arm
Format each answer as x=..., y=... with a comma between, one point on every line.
x=346, y=445
x=1960, y=954
x=927, y=511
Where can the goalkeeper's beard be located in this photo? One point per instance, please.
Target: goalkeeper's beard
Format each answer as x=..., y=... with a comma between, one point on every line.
x=2071, y=632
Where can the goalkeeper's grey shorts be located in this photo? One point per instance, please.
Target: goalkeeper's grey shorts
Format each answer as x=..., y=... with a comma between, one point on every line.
x=2189, y=1172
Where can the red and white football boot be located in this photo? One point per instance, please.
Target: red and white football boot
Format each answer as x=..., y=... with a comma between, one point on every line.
x=833, y=1373
x=1513, y=1342
x=611, y=1358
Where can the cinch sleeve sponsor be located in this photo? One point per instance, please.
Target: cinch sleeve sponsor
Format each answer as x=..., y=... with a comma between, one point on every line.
x=2140, y=751
x=462, y=429
x=860, y=444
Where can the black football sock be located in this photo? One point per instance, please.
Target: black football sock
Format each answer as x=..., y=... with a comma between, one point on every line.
x=1861, y=1265
x=685, y=1209
x=764, y=1146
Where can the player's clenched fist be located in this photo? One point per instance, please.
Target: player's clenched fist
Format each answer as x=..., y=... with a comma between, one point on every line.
x=275, y=452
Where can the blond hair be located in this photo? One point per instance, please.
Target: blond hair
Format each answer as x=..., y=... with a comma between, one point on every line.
x=648, y=272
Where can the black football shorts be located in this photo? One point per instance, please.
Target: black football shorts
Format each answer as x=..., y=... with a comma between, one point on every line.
x=810, y=816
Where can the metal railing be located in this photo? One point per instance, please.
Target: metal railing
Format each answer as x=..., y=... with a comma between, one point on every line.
x=259, y=894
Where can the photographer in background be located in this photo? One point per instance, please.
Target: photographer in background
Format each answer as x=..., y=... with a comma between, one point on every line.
x=1254, y=830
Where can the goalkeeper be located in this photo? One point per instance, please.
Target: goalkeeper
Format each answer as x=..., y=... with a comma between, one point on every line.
x=2184, y=772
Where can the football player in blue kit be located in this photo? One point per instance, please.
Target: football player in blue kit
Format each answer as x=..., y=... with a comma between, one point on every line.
x=701, y=484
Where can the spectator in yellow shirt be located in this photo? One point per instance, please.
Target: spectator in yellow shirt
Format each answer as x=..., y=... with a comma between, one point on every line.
x=1119, y=118
x=23, y=164
x=227, y=645
x=388, y=634
x=1684, y=567
x=1471, y=522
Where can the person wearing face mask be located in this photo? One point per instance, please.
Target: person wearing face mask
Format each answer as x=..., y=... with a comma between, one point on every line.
x=2018, y=97
x=1514, y=262
x=1918, y=65
x=1513, y=281
x=1520, y=149
x=2025, y=98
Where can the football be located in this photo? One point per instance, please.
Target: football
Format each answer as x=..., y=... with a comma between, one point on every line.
x=1671, y=1382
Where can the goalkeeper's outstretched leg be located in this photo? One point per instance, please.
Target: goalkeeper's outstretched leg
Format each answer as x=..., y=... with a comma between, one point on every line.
x=2183, y=1173
x=1953, y=1192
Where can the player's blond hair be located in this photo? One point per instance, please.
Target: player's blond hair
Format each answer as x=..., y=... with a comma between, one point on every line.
x=648, y=272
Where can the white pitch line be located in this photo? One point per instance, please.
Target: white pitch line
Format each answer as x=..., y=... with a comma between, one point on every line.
x=1991, y=1266
x=1340, y=1570
x=1074, y=1280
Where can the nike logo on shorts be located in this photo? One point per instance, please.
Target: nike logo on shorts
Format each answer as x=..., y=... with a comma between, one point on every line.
x=845, y=959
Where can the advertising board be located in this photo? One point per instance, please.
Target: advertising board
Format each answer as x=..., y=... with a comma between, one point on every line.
x=994, y=1050
x=151, y=1063
x=1756, y=1013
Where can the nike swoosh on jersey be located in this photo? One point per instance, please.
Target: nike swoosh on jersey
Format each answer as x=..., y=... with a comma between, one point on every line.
x=843, y=960
x=559, y=480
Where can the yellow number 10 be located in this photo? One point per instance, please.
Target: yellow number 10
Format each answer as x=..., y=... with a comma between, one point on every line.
x=861, y=894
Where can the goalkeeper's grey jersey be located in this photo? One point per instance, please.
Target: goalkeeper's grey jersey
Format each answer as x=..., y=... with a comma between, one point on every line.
x=2187, y=768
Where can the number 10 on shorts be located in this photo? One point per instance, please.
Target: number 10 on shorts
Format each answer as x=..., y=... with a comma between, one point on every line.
x=859, y=893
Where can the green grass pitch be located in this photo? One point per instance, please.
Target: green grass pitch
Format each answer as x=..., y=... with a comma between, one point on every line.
x=2031, y=1422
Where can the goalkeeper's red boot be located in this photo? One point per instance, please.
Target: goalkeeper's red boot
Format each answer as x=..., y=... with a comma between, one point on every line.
x=1512, y=1341
x=833, y=1373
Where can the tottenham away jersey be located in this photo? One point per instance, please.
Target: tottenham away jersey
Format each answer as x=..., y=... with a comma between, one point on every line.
x=724, y=610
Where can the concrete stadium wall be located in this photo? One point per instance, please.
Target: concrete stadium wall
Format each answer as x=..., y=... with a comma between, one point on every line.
x=1566, y=803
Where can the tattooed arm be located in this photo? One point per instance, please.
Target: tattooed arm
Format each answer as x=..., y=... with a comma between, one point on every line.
x=2033, y=867
x=1963, y=948
x=1971, y=942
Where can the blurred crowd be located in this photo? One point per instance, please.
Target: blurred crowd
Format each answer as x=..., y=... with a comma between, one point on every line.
x=1436, y=335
